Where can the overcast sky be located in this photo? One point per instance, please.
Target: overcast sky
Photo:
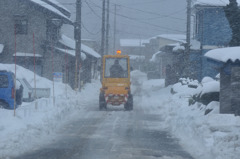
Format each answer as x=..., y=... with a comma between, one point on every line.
x=135, y=18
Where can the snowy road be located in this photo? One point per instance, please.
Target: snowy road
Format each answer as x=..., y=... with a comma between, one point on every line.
x=112, y=134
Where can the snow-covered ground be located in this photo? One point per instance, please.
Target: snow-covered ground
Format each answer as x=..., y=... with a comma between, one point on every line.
x=35, y=123
x=212, y=136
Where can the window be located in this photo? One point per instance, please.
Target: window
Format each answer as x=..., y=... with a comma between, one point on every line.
x=21, y=26
x=53, y=29
x=3, y=81
x=116, y=68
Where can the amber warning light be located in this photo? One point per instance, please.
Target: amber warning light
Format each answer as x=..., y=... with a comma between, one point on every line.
x=119, y=52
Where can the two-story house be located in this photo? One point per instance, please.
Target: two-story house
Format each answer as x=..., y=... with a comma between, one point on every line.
x=211, y=29
x=30, y=30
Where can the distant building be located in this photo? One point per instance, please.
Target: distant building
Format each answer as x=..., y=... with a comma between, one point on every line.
x=141, y=51
x=170, y=53
x=137, y=51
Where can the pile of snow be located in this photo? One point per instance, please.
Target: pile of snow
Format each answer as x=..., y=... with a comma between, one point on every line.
x=211, y=136
x=207, y=79
x=36, y=123
x=213, y=86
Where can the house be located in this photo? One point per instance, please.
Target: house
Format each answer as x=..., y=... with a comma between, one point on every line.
x=212, y=30
x=30, y=30
x=142, y=51
x=90, y=58
x=170, y=53
x=137, y=51
x=227, y=61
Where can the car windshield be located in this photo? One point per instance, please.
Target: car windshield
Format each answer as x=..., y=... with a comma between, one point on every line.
x=3, y=81
x=116, y=68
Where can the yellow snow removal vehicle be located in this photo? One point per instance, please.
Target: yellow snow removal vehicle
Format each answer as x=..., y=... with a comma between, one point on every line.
x=116, y=82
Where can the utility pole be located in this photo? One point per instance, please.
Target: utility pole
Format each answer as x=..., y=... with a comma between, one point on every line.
x=187, y=54
x=115, y=28
x=77, y=36
x=103, y=34
x=107, y=29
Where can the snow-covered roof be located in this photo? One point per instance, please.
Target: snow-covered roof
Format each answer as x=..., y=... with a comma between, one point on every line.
x=154, y=57
x=71, y=43
x=178, y=48
x=213, y=2
x=71, y=52
x=224, y=54
x=57, y=4
x=23, y=54
x=176, y=37
x=51, y=8
x=212, y=86
x=133, y=42
x=1, y=48
x=136, y=57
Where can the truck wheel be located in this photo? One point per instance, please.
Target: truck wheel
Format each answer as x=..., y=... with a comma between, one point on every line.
x=102, y=102
x=129, y=104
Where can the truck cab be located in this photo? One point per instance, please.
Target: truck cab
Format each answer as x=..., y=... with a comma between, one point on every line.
x=116, y=82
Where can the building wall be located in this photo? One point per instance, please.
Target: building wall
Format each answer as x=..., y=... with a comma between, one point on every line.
x=211, y=29
x=225, y=91
x=24, y=43
x=211, y=26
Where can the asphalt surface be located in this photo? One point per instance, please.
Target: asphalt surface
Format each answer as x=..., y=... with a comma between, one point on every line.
x=112, y=134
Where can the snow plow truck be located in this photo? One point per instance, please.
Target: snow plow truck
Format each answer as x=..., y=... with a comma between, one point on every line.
x=116, y=83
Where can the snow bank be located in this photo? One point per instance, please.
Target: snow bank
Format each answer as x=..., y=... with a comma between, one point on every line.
x=205, y=136
x=211, y=136
x=35, y=123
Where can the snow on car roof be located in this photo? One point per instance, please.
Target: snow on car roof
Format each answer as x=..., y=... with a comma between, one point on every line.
x=224, y=54
x=71, y=43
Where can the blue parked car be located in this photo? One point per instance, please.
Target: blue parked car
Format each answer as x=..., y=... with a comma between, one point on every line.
x=7, y=90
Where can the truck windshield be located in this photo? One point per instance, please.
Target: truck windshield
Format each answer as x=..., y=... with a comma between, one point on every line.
x=3, y=81
x=116, y=68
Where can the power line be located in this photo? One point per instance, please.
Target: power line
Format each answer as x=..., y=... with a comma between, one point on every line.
x=85, y=28
x=148, y=12
x=139, y=21
x=92, y=10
